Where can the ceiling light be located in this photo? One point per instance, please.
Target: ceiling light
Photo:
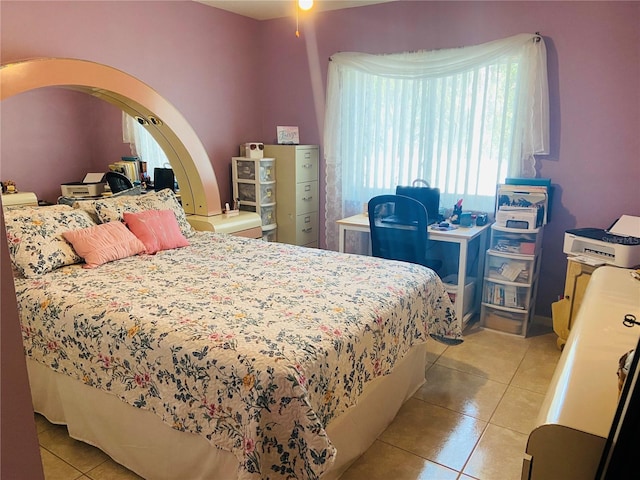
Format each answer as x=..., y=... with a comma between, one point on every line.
x=305, y=4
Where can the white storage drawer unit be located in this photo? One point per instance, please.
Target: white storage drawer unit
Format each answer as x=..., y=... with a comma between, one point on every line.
x=510, y=284
x=297, y=173
x=254, y=185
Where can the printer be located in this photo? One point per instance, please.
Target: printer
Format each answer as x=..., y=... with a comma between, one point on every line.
x=92, y=186
x=618, y=246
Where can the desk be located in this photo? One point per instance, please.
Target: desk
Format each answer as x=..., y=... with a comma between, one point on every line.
x=461, y=236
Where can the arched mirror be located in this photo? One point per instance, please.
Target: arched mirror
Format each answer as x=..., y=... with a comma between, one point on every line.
x=187, y=156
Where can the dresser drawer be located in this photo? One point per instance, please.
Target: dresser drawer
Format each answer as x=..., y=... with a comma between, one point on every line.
x=306, y=165
x=307, y=197
x=307, y=228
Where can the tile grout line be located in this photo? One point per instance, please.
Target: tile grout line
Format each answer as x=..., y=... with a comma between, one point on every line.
x=62, y=460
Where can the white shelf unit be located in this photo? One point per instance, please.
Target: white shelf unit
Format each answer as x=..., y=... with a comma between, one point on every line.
x=298, y=194
x=512, y=266
x=254, y=185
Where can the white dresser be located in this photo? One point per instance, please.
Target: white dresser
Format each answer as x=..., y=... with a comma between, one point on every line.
x=580, y=404
x=19, y=199
x=297, y=194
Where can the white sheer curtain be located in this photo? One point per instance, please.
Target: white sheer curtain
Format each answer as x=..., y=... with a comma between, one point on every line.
x=143, y=145
x=462, y=119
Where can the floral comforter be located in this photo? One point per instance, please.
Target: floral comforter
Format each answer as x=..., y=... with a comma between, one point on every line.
x=254, y=345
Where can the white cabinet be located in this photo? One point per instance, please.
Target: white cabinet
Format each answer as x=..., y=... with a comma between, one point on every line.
x=254, y=186
x=20, y=199
x=578, y=410
x=297, y=194
x=512, y=266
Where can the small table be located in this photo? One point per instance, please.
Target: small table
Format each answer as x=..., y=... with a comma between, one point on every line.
x=462, y=236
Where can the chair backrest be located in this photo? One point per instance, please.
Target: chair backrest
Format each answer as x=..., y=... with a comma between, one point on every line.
x=398, y=238
x=118, y=182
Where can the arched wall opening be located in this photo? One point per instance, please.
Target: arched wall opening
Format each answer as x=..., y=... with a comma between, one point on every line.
x=188, y=158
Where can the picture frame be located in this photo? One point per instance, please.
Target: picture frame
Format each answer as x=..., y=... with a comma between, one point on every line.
x=288, y=135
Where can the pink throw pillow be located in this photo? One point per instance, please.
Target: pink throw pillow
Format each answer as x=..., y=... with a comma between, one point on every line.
x=157, y=229
x=104, y=243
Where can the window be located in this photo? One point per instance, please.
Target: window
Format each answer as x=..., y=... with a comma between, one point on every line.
x=462, y=119
x=143, y=145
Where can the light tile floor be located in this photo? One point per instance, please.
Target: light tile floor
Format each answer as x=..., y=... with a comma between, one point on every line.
x=470, y=420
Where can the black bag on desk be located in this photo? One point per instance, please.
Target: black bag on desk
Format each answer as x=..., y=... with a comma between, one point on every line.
x=163, y=178
x=429, y=197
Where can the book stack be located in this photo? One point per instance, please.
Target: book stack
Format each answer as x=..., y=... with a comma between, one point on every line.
x=129, y=167
x=503, y=295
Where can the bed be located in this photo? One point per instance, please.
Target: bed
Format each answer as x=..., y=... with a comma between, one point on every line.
x=221, y=356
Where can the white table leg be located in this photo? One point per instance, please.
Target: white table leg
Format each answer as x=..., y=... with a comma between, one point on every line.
x=462, y=278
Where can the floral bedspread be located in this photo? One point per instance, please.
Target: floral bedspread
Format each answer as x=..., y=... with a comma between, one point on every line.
x=254, y=345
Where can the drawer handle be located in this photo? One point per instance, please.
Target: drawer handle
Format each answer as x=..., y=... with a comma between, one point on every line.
x=306, y=199
x=307, y=230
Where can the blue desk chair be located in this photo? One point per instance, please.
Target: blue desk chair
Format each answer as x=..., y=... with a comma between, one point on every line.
x=398, y=226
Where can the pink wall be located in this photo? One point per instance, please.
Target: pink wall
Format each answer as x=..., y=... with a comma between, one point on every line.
x=594, y=75
x=235, y=79
x=53, y=136
x=202, y=60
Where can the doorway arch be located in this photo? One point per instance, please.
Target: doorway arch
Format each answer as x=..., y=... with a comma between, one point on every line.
x=189, y=160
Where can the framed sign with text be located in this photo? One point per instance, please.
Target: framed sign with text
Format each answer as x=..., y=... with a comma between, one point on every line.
x=288, y=136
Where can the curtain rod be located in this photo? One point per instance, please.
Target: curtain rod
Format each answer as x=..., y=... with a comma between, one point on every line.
x=536, y=39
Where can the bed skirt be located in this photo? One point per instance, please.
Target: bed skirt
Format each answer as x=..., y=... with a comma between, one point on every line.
x=141, y=441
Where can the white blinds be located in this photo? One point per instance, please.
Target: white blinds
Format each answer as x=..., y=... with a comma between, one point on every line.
x=462, y=119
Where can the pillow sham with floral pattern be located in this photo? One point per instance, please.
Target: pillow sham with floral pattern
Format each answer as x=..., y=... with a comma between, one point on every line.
x=34, y=235
x=113, y=209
